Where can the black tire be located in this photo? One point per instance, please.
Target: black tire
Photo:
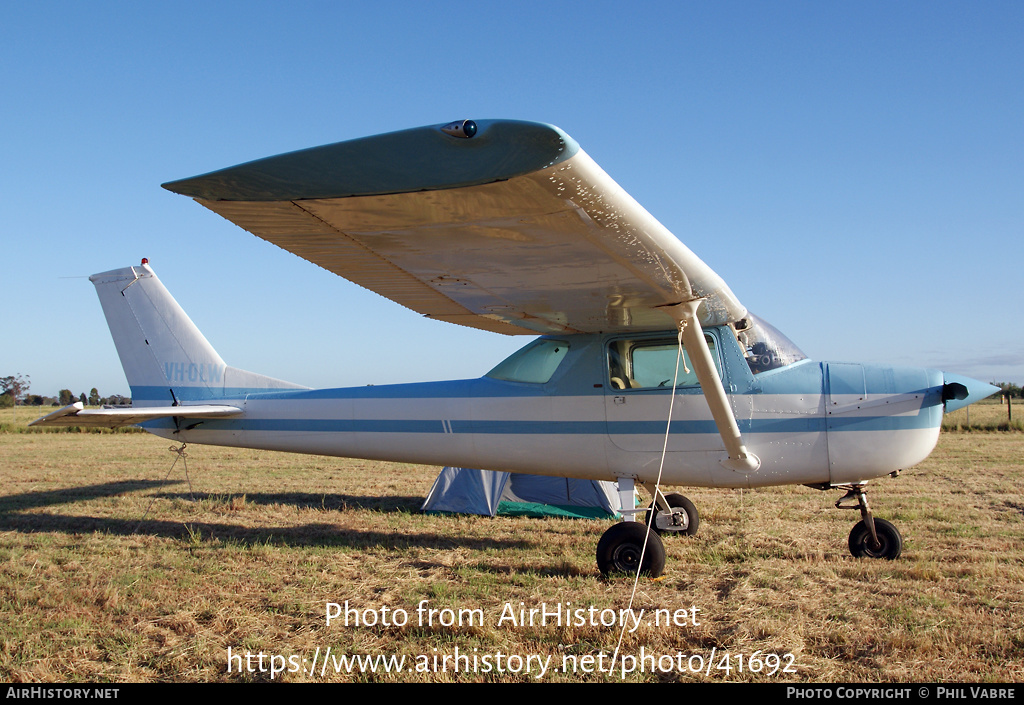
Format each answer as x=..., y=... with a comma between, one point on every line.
x=861, y=545
x=620, y=548
x=678, y=501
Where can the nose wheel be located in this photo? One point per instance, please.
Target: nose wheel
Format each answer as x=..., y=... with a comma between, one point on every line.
x=887, y=542
x=870, y=537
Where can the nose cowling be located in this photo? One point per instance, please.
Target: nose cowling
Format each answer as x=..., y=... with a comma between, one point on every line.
x=958, y=391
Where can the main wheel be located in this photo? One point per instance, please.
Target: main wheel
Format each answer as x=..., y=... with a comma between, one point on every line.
x=621, y=547
x=675, y=524
x=889, y=538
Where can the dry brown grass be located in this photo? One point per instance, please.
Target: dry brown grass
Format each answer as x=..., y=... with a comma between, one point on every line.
x=99, y=586
x=992, y=414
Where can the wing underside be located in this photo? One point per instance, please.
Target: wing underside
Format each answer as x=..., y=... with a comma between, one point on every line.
x=516, y=230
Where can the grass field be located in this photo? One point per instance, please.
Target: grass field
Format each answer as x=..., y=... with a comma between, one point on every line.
x=990, y=414
x=115, y=568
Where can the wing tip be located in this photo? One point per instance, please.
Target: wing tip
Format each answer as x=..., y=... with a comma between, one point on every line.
x=393, y=162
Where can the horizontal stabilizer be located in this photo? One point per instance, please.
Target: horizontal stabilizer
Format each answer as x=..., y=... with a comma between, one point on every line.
x=77, y=415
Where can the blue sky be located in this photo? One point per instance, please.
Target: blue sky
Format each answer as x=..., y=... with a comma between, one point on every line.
x=854, y=171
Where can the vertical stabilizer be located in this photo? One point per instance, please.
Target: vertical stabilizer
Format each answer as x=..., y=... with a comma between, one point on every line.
x=165, y=357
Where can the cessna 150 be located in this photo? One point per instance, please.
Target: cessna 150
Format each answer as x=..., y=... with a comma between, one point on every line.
x=510, y=227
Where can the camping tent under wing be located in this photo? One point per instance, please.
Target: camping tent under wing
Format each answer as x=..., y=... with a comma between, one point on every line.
x=469, y=491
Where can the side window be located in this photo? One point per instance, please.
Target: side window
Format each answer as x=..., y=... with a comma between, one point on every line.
x=535, y=363
x=650, y=364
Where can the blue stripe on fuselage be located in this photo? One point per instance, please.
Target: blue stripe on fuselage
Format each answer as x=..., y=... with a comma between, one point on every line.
x=793, y=425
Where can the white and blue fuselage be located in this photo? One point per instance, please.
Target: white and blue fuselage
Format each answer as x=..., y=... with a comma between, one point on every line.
x=808, y=422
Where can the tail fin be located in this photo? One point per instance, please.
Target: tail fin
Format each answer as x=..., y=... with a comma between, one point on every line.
x=165, y=357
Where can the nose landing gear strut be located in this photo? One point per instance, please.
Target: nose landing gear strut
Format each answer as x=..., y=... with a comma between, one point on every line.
x=870, y=537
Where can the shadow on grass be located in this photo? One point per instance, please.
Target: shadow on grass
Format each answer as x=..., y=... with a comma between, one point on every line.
x=208, y=534
x=215, y=534
x=226, y=535
x=307, y=500
x=556, y=569
x=49, y=498
x=300, y=500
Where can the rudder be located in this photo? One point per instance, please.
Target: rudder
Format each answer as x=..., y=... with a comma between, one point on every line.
x=164, y=355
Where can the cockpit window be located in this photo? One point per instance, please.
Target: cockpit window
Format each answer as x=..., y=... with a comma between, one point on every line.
x=765, y=348
x=651, y=363
x=536, y=363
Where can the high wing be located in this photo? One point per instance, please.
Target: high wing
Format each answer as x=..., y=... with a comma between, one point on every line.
x=500, y=225
x=77, y=415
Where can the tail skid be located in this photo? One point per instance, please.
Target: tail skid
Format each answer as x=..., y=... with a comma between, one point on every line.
x=165, y=357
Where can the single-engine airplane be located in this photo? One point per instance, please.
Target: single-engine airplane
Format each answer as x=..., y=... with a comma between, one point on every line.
x=510, y=227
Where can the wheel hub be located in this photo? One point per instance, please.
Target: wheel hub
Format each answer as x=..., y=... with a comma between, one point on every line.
x=627, y=557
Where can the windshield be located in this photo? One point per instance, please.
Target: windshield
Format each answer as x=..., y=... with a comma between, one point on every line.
x=765, y=348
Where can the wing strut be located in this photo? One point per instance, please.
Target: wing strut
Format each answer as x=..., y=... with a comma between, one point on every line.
x=685, y=314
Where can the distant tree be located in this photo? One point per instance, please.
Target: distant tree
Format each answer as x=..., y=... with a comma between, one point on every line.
x=15, y=385
x=6, y=400
x=33, y=400
x=65, y=397
x=82, y=398
x=1010, y=389
x=94, y=397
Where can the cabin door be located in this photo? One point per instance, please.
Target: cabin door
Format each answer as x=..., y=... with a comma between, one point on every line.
x=640, y=373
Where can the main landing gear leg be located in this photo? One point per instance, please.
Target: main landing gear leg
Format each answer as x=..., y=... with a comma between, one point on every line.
x=871, y=537
x=672, y=514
